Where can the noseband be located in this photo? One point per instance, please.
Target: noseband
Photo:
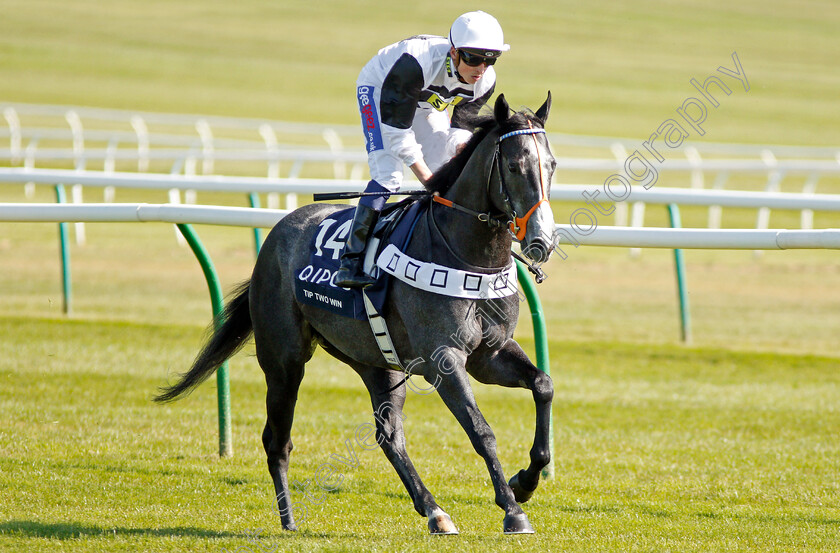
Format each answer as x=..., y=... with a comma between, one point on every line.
x=509, y=218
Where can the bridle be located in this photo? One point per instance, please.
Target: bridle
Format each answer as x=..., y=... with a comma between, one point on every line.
x=508, y=219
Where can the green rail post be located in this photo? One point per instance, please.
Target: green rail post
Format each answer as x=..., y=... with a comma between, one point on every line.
x=679, y=265
x=217, y=301
x=255, y=202
x=541, y=347
x=64, y=249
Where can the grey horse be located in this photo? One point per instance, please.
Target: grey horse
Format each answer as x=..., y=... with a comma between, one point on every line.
x=475, y=204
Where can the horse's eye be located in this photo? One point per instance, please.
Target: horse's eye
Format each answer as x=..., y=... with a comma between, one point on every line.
x=513, y=166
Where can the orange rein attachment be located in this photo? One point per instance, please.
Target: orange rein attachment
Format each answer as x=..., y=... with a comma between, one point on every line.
x=443, y=201
x=522, y=222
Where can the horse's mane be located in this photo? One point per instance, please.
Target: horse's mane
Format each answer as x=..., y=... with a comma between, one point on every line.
x=444, y=177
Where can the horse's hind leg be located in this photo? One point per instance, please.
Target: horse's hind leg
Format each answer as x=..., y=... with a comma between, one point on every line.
x=510, y=367
x=284, y=344
x=280, y=400
x=387, y=395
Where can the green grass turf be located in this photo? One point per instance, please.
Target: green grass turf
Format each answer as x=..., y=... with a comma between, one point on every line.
x=659, y=448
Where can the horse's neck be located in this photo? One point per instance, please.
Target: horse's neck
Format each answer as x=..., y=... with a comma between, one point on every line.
x=472, y=240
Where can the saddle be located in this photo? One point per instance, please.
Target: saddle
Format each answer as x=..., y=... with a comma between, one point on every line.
x=314, y=282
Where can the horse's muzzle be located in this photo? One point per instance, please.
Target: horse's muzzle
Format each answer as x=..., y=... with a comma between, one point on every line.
x=539, y=236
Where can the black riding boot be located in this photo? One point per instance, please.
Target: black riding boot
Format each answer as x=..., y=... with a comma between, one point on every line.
x=351, y=273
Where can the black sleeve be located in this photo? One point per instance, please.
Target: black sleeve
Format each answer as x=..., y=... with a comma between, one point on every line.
x=465, y=112
x=400, y=92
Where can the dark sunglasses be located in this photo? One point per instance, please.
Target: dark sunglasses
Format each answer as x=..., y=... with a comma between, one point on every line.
x=474, y=60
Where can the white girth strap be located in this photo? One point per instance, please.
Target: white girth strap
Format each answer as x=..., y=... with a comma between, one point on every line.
x=380, y=333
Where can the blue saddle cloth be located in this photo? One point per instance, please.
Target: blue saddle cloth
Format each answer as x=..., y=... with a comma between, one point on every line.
x=314, y=282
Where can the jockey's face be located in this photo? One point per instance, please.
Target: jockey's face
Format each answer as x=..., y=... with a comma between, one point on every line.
x=468, y=74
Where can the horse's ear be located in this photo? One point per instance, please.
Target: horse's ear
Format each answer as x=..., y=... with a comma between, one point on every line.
x=542, y=113
x=502, y=110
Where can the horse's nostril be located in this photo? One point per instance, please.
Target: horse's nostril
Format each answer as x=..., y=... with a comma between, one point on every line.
x=537, y=251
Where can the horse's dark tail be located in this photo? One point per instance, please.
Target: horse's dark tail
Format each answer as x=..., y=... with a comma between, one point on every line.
x=227, y=338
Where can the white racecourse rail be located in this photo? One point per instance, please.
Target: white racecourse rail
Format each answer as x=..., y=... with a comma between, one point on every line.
x=253, y=217
x=567, y=192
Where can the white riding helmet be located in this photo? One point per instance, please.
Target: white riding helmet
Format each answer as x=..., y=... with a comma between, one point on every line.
x=478, y=31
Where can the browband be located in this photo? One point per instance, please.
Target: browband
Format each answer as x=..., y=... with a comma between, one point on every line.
x=521, y=131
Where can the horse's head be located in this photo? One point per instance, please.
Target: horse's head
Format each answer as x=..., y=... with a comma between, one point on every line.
x=503, y=175
x=521, y=177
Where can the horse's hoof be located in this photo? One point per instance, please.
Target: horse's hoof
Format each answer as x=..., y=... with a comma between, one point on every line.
x=519, y=492
x=290, y=527
x=517, y=524
x=440, y=524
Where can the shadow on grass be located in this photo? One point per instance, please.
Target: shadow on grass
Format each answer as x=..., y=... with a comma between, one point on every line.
x=590, y=509
x=74, y=530
x=781, y=518
x=809, y=520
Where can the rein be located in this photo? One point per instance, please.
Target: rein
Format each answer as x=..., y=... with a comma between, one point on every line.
x=493, y=221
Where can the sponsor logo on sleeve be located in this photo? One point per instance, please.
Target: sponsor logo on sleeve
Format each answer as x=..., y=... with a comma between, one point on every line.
x=370, y=119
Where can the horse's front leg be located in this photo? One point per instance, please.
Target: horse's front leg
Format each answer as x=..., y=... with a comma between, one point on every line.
x=387, y=394
x=510, y=367
x=454, y=388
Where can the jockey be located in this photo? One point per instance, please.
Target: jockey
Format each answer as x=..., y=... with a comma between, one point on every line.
x=403, y=95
